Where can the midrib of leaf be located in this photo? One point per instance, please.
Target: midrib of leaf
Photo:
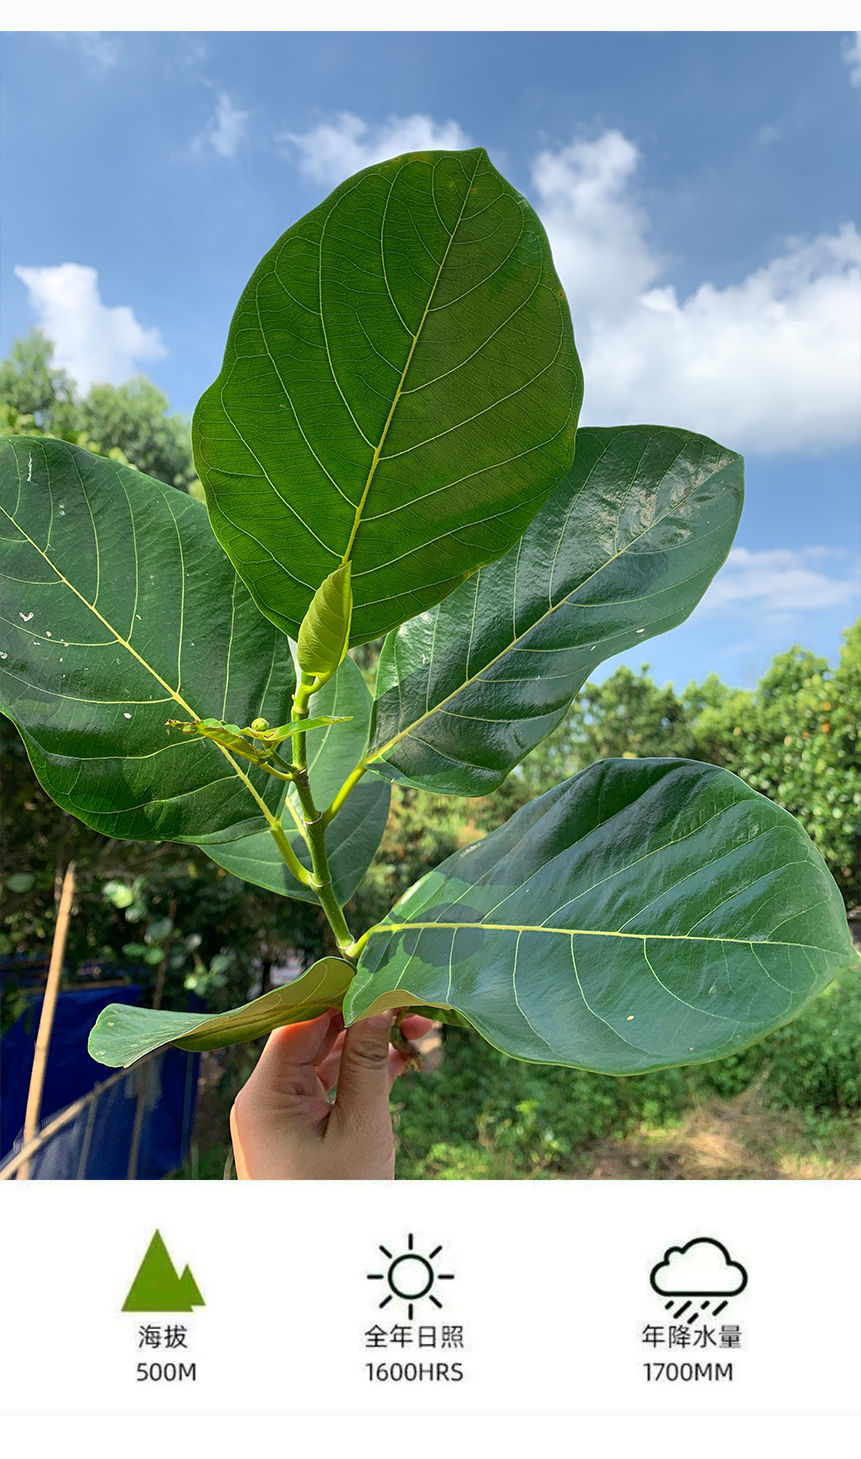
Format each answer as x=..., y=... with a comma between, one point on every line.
x=378, y=448
x=514, y=641
x=273, y=824
x=643, y=937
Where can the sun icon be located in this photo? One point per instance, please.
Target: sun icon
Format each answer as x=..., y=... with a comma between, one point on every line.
x=410, y=1276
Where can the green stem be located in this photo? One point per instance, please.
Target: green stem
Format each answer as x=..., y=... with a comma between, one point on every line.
x=360, y=944
x=346, y=789
x=315, y=826
x=305, y=688
x=289, y=855
x=270, y=770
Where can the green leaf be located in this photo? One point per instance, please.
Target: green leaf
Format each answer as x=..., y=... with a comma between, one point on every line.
x=20, y=882
x=119, y=608
x=160, y=929
x=400, y=390
x=623, y=550
x=325, y=630
x=355, y=833
x=643, y=914
x=119, y=894
x=294, y=727
x=122, y=1033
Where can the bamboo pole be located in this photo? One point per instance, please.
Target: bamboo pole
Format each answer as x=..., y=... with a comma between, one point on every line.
x=62, y=1119
x=140, y=1107
x=46, y=1018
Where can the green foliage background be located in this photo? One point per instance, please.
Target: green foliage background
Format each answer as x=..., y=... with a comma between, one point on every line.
x=172, y=911
x=128, y=422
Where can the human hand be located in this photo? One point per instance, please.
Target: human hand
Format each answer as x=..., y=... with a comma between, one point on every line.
x=282, y=1124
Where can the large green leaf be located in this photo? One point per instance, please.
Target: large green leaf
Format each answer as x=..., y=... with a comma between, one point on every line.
x=624, y=549
x=353, y=836
x=400, y=389
x=645, y=913
x=122, y=1034
x=120, y=611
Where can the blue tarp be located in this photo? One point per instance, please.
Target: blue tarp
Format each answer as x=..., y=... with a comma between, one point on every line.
x=95, y=1145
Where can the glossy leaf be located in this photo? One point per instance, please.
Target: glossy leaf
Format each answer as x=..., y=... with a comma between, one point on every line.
x=645, y=913
x=624, y=549
x=400, y=390
x=355, y=833
x=325, y=630
x=119, y=610
x=122, y=1033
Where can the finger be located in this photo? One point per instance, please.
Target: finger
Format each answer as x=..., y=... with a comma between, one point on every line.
x=288, y=1064
x=415, y=1026
x=327, y=1070
x=363, y=1079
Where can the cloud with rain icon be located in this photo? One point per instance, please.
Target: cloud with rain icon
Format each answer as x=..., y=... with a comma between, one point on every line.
x=701, y=1270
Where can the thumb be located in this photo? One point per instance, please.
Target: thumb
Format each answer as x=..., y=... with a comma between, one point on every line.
x=363, y=1080
x=286, y=1069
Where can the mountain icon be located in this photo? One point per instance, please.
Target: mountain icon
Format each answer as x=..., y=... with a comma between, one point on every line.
x=158, y=1287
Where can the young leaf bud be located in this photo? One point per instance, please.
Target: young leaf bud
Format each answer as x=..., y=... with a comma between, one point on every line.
x=325, y=630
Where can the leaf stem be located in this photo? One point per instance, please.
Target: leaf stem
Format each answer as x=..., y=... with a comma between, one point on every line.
x=315, y=826
x=346, y=789
x=290, y=857
x=361, y=942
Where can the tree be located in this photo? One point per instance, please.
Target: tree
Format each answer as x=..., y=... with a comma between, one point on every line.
x=795, y=739
x=134, y=418
x=628, y=715
x=32, y=385
x=129, y=422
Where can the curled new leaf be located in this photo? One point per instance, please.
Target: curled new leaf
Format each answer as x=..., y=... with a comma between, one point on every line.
x=325, y=630
x=273, y=737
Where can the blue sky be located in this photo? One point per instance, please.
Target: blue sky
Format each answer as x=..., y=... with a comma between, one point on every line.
x=700, y=192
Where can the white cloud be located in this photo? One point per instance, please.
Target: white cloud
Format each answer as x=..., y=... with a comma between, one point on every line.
x=100, y=52
x=852, y=57
x=771, y=362
x=598, y=231
x=93, y=341
x=334, y=150
x=767, y=133
x=779, y=582
x=226, y=130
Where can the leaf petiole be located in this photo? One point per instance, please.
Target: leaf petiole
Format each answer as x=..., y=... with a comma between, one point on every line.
x=346, y=789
